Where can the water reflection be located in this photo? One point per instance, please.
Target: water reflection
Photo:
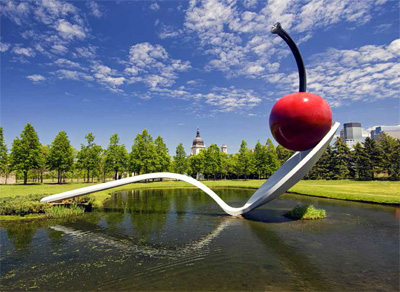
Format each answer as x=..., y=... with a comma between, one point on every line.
x=180, y=240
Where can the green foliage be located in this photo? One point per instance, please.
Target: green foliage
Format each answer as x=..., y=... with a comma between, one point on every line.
x=142, y=159
x=306, y=212
x=89, y=156
x=64, y=211
x=273, y=162
x=116, y=156
x=60, y=155
x=3, y=152
x=163, y=160
x=340, y=160
x=26, y=151
x=212, y=160
x=245, y=162
x=22, y=205
x=196, y=164
x=283, y=154
x=180, y=160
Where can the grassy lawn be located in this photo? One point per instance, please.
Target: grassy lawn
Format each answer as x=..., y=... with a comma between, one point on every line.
x=373, y=191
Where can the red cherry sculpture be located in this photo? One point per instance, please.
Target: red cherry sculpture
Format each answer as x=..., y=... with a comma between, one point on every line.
x=298, y=121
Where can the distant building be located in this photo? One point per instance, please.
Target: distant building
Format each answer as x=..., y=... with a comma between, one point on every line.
x=224, y=148
x=392, y=131
x=352, y=134
x=198, y=144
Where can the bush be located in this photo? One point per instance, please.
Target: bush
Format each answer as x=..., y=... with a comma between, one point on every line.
x=306, y=212
x=62, y=211
x=22, y=205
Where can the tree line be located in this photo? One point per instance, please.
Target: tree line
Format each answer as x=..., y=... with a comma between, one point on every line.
x=29, y=159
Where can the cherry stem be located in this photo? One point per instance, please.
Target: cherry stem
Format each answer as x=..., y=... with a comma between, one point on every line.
x=277, y=29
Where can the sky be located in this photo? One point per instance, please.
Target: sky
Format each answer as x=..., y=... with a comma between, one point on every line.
x=171, y=66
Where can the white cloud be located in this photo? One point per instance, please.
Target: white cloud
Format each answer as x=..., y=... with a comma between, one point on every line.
x=342, y=76
x=152, y=65
x=235, y=37
x=154, y=6
x=27, y=52
x=221, y=99
x=66, y=63
x=73, y=75
x=36, y=78
x=95, y=9
x=85, y=52
x=59, y=49
x=105, y=75
x=4, y=47
x=69, y=31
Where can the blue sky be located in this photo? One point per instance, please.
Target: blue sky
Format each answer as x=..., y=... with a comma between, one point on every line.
x=169, y=66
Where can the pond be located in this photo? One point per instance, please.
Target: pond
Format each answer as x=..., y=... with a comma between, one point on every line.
x=179, y=239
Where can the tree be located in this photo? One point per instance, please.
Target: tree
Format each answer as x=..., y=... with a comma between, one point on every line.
x=245, y=160
x=89, y=156
x=60, y=155
x=374, y=155
x=25, y=153
x=44, y=153
x=323, y=168
x=142, y=159
x=196, y=164
x=180, y=161
x=341, y=156
x=116, y=156
x=212, y=161
x=395, y=161
x=387, y=146
x=361, y=162
x=163, y=160
x=4, y=157
x=260, y=159
x=283, y=154
x=272, y=158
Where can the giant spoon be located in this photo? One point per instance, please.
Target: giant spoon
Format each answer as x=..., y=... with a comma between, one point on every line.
x=282, y=180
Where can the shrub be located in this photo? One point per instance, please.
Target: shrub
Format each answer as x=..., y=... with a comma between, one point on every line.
x=22, y=205
x=306, y=212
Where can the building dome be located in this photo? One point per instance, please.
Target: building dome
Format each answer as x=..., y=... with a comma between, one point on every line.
x=198, y=141
x=198, y=144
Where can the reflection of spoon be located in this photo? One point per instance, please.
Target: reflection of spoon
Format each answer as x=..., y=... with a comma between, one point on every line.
x=283, y=179
x=127, y=245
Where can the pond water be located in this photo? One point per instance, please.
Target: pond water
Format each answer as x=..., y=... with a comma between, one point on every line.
x=179, y=239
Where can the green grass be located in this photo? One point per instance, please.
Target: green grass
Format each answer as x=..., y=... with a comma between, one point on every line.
x=387, y=192
x=306, y=212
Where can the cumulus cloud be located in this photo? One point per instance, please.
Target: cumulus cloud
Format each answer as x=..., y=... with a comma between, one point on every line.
x=152, y=65
x=341, y=76
x=59, y=49
x=36, y=78
x=221, y=99
x=95, y=9
x=66, y=63
x=154, y=6
x=235, y=36
x=46, y=25
x=4, y=47
x=69, y=31
x=73, y=75
x=27, y=52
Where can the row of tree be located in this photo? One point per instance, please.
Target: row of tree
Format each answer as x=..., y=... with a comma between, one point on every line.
x=29, y=157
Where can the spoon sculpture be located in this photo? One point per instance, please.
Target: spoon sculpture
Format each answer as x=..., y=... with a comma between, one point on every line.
x=283, y=179
x=310, y=123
